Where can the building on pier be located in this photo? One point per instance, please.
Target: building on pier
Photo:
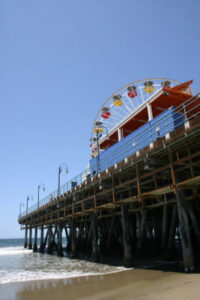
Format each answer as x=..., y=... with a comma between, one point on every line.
x=140, y=196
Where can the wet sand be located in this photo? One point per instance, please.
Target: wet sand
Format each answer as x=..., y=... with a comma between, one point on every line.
x=130, y=284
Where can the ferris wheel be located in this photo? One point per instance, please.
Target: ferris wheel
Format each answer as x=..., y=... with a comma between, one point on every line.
x=123, y=103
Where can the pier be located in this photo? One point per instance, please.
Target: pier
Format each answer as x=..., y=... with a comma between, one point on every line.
x=145, y=204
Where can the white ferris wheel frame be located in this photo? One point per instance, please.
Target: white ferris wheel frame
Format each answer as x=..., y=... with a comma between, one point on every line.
x=120, y=115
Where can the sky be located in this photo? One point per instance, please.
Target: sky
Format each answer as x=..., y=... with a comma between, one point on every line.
x=60, y=60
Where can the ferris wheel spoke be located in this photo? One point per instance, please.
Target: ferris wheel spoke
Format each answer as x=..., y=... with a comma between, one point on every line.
x=117, y=113
x=128, y=108
x=113, y=119
x=133, y=103
x=142, y=96
x=129, y=103
x=115, y=116
x=123, y=110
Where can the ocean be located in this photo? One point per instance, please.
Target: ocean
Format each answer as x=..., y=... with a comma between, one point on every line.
x=19, y=264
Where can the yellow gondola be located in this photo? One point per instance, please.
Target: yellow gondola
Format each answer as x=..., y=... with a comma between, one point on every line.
x=149, y=88
x=117, y=100
x=98, y=129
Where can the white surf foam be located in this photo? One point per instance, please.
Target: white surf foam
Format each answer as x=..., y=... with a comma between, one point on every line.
x=13, y=251
x=17, y=266
x=31, y=276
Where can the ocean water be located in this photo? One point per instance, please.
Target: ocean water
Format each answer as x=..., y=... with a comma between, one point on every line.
x=19, y=264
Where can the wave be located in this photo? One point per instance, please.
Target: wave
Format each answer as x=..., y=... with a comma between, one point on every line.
x=31, y=276
x=17, y=265
x=14, y=251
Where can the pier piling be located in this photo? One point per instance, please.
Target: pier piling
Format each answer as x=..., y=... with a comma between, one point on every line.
x=26, y=234
x=30, y=238
x=59, y=243
x=128, y=258
x=35, y=240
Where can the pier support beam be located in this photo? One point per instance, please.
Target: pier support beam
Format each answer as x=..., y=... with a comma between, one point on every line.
x=35, y=241
x=42, y=239
x=187, y=251
x=50, y=237
x=109, y=246
x=30, y=238
x=126, y=237
x=68, y=238
x=195, y=223
x=73, y=239
x=142, y=232
x=172, y=231
x=94, y=238
x=59, y=243
x=25, y=239
x=164, y=228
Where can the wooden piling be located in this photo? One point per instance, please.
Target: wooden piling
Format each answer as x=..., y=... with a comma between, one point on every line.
x=128, y=257
x=187, y=251
x=73, y=252
x=35, y=241
x=172, y=232
x=142, y=232
x=95, y=255
x=164, y=228
x=59, y=243
x=42, y=239
x=50, y=239
x=26, y=234
x=195, y=224
x=30, y=238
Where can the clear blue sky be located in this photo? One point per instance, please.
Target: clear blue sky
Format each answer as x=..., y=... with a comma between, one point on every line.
x=59, y=61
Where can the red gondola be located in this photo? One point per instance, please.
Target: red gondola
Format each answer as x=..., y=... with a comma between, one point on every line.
x=105, y=115
x=132, y=94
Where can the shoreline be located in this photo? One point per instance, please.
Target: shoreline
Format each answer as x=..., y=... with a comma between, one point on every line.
x=65, y=278
x=124, y=284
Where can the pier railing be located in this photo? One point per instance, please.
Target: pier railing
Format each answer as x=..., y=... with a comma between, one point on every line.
x=183, y=114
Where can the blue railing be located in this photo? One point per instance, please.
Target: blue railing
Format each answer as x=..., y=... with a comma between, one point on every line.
x=163, y=124
x=75, y=181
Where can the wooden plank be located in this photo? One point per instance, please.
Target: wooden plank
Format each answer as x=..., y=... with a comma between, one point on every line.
x=165, y=190
x=192, y=182
x=131, y=199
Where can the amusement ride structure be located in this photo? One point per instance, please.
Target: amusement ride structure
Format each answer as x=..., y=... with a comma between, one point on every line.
x=128, y=110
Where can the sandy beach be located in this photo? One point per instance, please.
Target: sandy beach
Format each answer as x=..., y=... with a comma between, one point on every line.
x=130, y=284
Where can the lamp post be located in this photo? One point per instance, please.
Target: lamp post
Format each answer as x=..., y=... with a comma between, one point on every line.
x=29, y=197
x=40, y=186
x=20, y=209
x=99, y=129
x=62, y=167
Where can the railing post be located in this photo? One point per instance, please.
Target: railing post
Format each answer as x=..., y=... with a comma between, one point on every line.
x=185, y=113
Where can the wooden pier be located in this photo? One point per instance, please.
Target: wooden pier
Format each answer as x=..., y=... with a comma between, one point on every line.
x=148, y=203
